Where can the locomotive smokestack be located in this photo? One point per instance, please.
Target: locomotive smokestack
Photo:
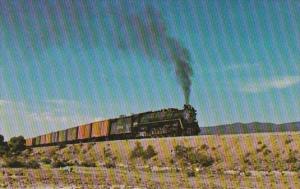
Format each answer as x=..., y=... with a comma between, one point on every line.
x=146, y=33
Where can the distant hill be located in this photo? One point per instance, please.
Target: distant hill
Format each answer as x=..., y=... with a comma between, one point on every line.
x=254, y=127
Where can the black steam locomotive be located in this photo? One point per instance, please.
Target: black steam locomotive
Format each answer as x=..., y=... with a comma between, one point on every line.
x=166, y=122
x=162, y=123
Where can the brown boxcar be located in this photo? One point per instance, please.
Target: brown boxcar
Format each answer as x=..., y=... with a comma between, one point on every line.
x=29, y=141
x=120, y=126
x=84, y=131
x=100, y=128
x=43, y=139
x=62, y=136
x=48, y=138
x=72, y=134
x=54, y=137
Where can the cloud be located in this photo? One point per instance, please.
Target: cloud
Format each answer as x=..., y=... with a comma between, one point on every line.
x=61, y=102
x=275, y=83
x=54, y=120
x=19, y=118
x=4, y=102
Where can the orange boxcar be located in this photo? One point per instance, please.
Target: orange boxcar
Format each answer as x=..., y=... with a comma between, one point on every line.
x=29, y=142
x=84, y=131
x=100, y=128
x=48, y=138
x=43, y=139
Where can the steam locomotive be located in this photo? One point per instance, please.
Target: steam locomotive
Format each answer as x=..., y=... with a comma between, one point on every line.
x=162, y=123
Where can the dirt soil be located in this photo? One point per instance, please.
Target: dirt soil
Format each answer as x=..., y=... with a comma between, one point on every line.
x=258, y=160
x=126, y=178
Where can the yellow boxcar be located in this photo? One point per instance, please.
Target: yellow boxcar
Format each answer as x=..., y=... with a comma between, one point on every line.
x=62, y=136
x=48, y=138
x=100, y=128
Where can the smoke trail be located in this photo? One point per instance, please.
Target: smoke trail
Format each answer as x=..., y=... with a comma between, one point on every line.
x=146, y=32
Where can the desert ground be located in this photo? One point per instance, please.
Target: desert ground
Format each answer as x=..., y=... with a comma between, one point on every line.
x=262, y=160
x=121, y=178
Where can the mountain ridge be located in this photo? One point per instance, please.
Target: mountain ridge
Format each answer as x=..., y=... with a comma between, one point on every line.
x=252, y=127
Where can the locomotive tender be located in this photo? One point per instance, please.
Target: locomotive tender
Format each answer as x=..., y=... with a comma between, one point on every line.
x=162, y=123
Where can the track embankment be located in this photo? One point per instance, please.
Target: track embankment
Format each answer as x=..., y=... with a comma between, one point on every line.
x=265, y=151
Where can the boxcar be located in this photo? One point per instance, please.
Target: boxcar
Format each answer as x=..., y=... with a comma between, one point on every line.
x=43, y=139
x=33, y=141
x=121, y=126
x=84, y=131
x=54, y=137
x=100, y=129
x=29, y=142
x=48, y=138
x=38, y=140
x=62, y=136
x=72, y=134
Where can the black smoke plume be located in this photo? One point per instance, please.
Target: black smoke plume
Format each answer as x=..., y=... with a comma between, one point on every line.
x=146, y=32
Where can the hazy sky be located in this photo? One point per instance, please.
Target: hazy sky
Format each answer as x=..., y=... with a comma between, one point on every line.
x=68, y=62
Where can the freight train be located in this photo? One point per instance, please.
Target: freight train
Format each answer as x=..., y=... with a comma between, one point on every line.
x=162, y=123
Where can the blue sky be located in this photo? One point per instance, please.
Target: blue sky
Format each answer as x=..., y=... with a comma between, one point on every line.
x=64, y=63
